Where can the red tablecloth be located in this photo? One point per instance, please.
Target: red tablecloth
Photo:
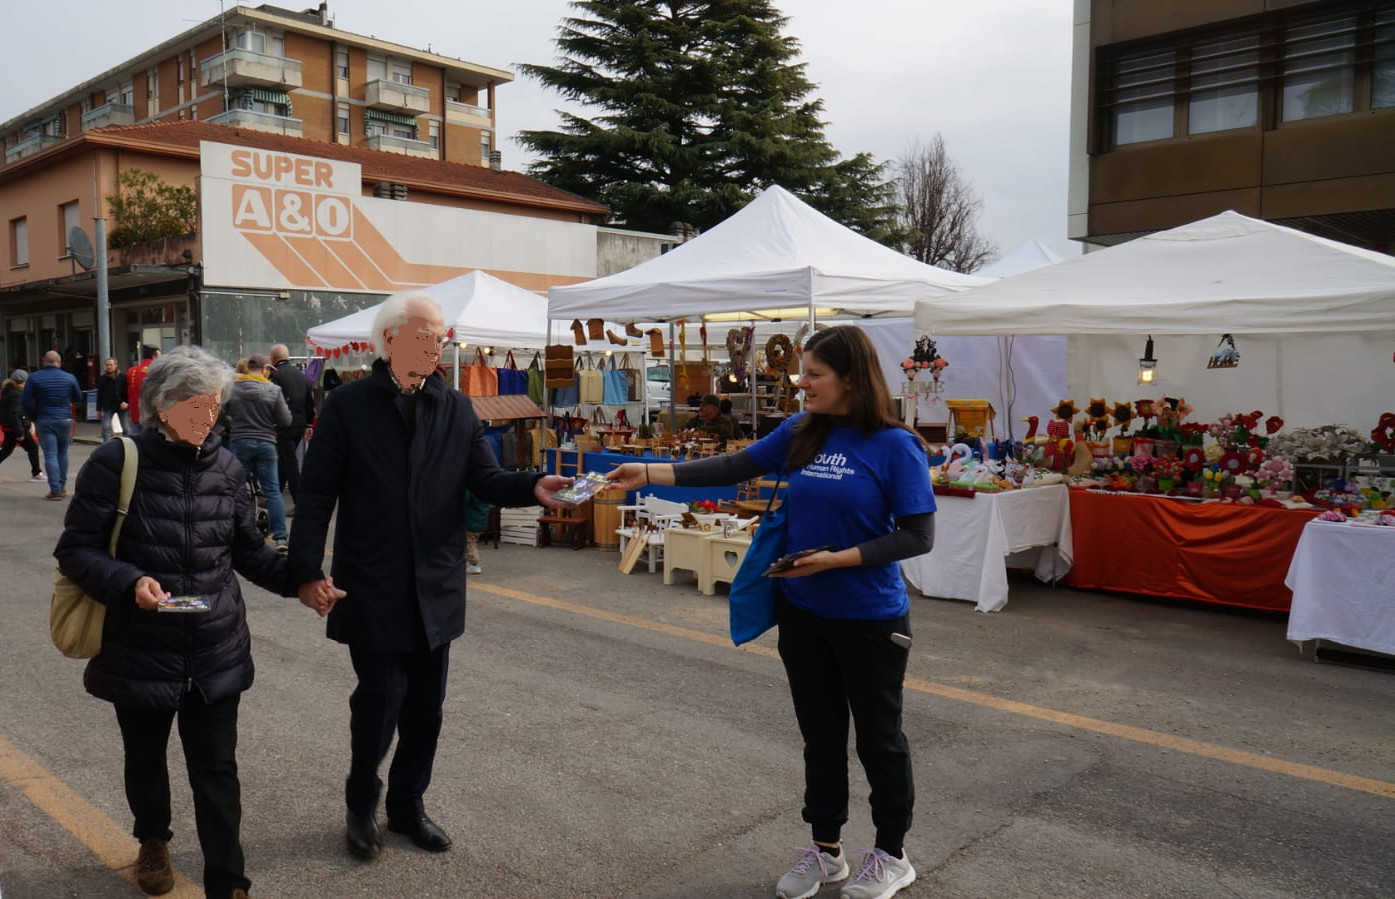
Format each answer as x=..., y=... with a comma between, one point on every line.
x=1213, y=552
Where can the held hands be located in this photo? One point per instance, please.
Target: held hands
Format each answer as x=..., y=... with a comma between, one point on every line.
x=149, y=593
x=549, y=485
x=320, y=595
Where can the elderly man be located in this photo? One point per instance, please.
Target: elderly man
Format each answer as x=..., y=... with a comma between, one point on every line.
x=296, y=389
x=710, y=419
x=397, y=451
x=48, y=399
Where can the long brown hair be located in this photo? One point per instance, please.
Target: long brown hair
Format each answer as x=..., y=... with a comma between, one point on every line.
x=847, y=350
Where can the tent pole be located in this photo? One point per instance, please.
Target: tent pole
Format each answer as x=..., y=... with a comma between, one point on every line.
x=672, y=384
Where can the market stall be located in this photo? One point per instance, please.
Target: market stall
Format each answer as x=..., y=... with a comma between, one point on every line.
x=1339, y=578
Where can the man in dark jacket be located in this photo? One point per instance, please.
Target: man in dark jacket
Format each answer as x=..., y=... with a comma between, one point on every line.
x=254, y=411
x=49, y=397
x=301, y=402
x=397, y=452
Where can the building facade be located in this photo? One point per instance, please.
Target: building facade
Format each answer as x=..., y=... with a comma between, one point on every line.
x=303, y=211
x=1279, y=109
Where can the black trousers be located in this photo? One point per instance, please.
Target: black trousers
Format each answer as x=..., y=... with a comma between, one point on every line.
x=838, y=668
x=287, y=442
x=398, y=692
x=209, y=735
x=23, y=439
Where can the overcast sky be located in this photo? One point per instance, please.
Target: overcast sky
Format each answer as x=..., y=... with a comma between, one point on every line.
x=991, y=76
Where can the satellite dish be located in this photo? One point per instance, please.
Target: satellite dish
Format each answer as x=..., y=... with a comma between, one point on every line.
x=80, y=247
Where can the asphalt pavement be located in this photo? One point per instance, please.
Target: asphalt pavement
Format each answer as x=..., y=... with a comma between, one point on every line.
x=603, y=738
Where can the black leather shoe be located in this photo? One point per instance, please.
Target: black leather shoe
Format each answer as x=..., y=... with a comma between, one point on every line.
x=363, y=836
x=422, y=831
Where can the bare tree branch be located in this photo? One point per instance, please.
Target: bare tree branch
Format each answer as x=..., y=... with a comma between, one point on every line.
x=939, y=210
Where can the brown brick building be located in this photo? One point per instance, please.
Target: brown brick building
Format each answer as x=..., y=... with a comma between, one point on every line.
x=1279, y=109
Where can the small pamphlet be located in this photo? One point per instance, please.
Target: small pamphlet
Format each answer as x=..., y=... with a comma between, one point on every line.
x=184, y=604
x=582, y=489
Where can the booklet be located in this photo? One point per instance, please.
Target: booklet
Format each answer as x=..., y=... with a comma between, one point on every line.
x=582, y=489
x=184, y=604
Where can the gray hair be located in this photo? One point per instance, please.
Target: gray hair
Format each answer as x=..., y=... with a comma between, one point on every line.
x=183, y=372
x=395, y=311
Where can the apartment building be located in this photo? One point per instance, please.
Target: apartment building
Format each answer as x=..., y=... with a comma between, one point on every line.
x=329, y=169
x=1279, y=109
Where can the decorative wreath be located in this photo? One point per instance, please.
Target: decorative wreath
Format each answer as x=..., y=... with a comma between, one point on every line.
x=779, y=351
x=1383, y=435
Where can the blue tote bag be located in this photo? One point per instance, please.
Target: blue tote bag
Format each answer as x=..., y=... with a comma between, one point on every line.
x=752, y=597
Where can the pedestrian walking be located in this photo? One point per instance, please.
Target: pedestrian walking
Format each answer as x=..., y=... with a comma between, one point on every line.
x=50, y=395
x=476, y=523
x=14, y=424
x=189, y=528
x=255, y=409
x=134, y=376
x=299, y=399
x=396, y=451
x=858, y=482
x=111, y=399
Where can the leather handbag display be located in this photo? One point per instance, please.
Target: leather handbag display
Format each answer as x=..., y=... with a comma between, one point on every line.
x=615, y=386
x=591, y=383
x=537, y=381
x=75, y=619
x=752, y=596
x=479, y=378
x=512, y=379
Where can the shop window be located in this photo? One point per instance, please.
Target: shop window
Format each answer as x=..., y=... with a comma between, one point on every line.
x=1319, y=77
x=1224, y=86
x=1143, y=97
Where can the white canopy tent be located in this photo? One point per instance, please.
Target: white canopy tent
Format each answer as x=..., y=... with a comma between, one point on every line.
x=1313, y=319
x=483, y=310
x=1030, y=256
x=775, y=258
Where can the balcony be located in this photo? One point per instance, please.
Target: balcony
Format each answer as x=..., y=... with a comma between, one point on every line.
x=107, y=115
x=458, y=113
x=259, y=121
x=242, y=68
x=398, y=97
x=406, y=146
x=29, y=146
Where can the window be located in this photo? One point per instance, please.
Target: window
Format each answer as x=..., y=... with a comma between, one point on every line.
x=453, y=92
x=1383, y=70
x=484, y=147
x=343, y=118
x=68, y=219
x=255, y=99
x=179, y=79
x=260, y=42
x=126, y=94
x=152, y=91
x=1143, y=98
x=400, y=72
x=433, y=130
x=19, y=242
x=1224, y=86
x=1318, y=69
x=377, y=68
x=341, y=62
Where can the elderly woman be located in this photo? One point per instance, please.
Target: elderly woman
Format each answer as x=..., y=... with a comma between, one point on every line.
x=189, y=528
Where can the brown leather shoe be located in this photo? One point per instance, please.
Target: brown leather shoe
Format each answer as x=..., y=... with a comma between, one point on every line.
x=153, y=872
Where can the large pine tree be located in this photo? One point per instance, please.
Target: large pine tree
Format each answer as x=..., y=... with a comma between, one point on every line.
x=695, y=105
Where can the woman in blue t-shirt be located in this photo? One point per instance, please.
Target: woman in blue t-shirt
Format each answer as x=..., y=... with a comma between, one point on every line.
x=858, y=480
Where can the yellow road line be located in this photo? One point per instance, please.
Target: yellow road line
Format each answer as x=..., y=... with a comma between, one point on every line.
x=1079, y=722
x=111, y=844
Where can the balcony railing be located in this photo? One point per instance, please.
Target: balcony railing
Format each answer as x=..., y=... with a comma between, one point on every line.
x=30, y=145
x=398, y=97
x=407, y=146
x=259, y=121
x=109, y=114
x=468, y=114
x=238, y=68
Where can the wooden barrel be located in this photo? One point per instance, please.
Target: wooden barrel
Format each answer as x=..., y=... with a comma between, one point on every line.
x=605, y=512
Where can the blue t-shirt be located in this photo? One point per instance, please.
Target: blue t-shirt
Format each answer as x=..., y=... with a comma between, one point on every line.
x=852, y=492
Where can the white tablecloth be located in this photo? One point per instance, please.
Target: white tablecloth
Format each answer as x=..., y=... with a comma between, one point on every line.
x=1340, y=578
x=976, y=539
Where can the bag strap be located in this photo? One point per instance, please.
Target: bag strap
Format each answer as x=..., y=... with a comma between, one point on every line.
x=775, y=490
x=535, y=364
x=130, y=465
x=508, y=361
x=479, y=357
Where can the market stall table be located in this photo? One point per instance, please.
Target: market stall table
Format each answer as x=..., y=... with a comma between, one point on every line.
x=977, y=538
x=1340, y=586
x=1215, y=552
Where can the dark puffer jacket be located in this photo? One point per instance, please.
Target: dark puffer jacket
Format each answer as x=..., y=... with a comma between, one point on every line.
x=190, y=527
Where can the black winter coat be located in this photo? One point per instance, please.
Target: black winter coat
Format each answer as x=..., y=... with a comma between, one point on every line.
x=299, y=399
x=190, y=527
x=111, y=391
x=399, y=542
x=11, y=407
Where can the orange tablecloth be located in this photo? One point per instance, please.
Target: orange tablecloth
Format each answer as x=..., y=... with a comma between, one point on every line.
x=1213, y=552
